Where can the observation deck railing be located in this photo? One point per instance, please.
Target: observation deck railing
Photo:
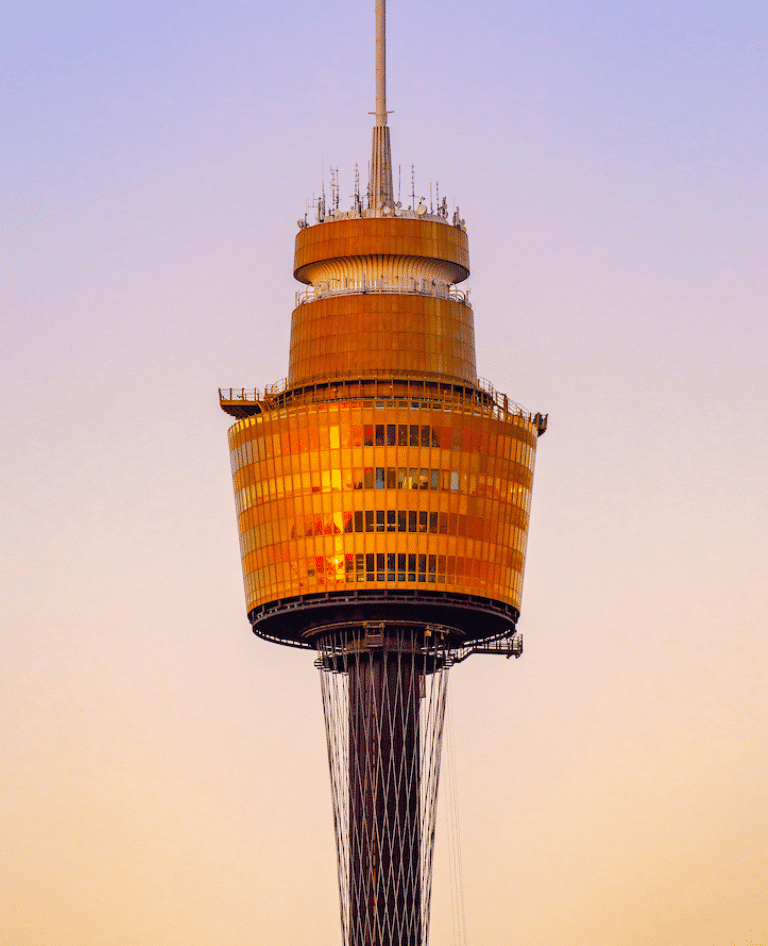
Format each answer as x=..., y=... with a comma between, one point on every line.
x=403, y=286
x=440, y=395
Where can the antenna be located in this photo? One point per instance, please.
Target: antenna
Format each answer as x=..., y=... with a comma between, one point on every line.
x=357, y=189
x=368, y=194
x=399, y=176
x=431, y=208
x=413, y=187
x=381, y=62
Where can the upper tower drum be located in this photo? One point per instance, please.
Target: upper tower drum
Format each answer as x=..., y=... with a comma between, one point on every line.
x=381, y=302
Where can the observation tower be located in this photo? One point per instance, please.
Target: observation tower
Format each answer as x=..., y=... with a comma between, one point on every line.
x=383, y=495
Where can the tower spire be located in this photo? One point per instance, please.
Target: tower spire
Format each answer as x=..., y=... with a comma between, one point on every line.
x=381, y=62
x=381, y=152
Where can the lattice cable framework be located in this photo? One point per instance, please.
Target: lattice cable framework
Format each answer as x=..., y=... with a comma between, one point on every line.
x=384, y=693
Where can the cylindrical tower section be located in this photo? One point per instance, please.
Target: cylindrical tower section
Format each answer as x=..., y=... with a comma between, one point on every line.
x=383, y=335
x=366, y=507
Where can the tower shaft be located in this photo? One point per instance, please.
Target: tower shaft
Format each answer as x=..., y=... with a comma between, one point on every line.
x=384, y=793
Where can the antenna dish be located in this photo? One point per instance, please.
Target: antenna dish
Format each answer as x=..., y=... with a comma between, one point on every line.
x=398, y=205
x=421, y=210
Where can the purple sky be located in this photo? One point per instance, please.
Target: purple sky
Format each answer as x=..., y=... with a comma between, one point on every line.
x=164, y=777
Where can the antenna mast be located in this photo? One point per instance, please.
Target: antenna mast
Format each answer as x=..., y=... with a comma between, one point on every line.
x=381, y=62
x=381, y=153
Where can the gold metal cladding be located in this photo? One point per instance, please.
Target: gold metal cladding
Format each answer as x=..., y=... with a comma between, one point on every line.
x=345, y=497
x=363, y=236
x=382, y=335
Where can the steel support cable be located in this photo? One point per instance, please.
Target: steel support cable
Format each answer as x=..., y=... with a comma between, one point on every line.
x=456, y=867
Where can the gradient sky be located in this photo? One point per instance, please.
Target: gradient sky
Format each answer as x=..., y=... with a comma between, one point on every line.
x=164, y=777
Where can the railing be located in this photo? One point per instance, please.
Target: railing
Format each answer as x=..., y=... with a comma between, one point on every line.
x=411, y=287
x=253, y=395
x=418, y=214
x=483, y=397
x=246, y=395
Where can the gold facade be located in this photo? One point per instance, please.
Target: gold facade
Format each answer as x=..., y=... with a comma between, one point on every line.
x=381, y=481
x=383, y=495
x=382, y=335
x=333, y=246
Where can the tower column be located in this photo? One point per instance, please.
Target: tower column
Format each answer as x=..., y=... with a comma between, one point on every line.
x=384, y=794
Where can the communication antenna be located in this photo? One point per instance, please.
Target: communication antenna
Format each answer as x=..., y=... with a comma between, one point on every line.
x=399, y=176
x=357, y=189
x=321, y=204
x=368, y=195
x=431, y=208
x=437, y=195
x=413, y=187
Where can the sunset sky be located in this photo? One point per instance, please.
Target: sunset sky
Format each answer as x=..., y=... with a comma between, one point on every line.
x=164, y=778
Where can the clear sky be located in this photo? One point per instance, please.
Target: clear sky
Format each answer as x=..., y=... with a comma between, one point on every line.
x=163, y=772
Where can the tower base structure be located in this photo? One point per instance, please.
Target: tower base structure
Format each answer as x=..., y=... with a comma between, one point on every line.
x=384, y=692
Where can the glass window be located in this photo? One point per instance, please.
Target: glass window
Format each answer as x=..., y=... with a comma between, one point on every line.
x=402, y=435
x=454, y=481
x=380, y=435
x=423, y=521
x=425, y=436
x=432, y=523
x=380, y=520
x=368, y=478
x=412, y=519
x=380, y=478
x=391, y=435
x=368, y=435
x=391, y=478
x=414, y=436
x=402, y=519
x=391, y=520
x=434, y=479
x=391, y=566
x=369, y=520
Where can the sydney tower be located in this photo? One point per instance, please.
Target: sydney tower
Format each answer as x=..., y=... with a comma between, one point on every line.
x=383, y=495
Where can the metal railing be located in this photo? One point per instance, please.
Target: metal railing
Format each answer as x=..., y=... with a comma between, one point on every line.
x=447, y=395
x=418, y=214
x=411, y=287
